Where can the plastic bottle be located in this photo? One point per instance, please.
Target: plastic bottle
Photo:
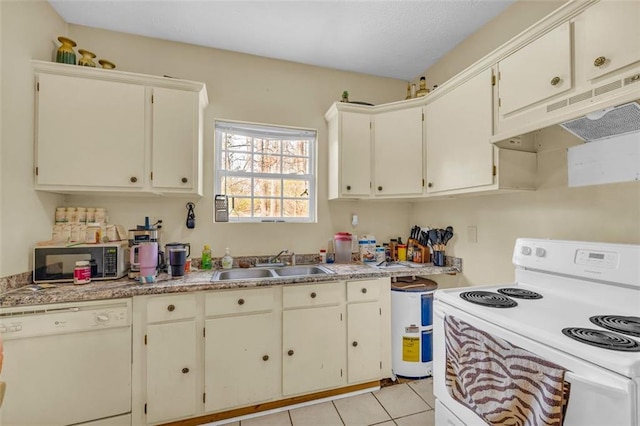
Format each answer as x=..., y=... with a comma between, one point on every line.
x=323, y=256
x=227, y=260
x=205, y=262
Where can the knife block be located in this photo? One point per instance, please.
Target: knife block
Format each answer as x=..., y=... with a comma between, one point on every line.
x=425, y=253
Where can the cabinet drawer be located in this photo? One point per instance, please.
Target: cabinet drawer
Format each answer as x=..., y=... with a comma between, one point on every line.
x=170, y=308
x=363, y=291
x=239, y=301
x=312, y=295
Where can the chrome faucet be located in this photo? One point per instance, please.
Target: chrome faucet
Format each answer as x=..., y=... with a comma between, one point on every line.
x=276, y=258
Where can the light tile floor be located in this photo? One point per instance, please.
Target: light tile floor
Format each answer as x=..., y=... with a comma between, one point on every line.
x=405, y=404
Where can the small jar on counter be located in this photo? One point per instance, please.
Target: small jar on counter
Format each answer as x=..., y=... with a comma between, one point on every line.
x=82, y=272
x=402, y=252
x=323, y=256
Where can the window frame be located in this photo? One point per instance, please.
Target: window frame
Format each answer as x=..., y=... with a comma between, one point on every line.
x=311, y=177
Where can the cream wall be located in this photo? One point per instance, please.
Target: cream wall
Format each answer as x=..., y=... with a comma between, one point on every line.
x=607, y=213
x=240, y=87
x=29, y=31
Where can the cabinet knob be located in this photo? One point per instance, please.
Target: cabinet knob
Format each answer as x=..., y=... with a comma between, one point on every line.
x=555, y=81
x=133, y=179
x=599, y=61
x=265, y=358
x=290, y=353
x=184, y=180
x=379, y=188
x=348, y=187
x=313, y=295
x=364, y=290
x=185, y=370
x=430, y=184
x=240, y=301
x=354, y=344
x=171, y=308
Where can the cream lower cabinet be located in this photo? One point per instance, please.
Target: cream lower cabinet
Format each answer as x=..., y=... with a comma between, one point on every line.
x=242, y=348
x=116, y=132
x=171, y=361
x=313, y=338
x=366, y=334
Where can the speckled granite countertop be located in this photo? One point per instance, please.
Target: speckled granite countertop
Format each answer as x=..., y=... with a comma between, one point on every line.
x=201, y=281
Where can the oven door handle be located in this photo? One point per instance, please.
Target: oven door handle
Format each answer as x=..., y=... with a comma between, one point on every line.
x=574, y=378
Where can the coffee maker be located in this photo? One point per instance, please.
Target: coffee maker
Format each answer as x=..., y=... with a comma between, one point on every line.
x=147, y=233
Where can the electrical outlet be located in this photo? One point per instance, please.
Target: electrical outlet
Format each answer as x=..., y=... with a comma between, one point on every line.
x=472, y=234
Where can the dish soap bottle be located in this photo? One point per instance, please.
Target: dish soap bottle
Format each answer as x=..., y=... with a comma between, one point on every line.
x=205, y=262
x=227, y=260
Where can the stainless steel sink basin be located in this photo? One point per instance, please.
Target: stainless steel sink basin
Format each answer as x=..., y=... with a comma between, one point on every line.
x=242, y=274
x=286, y=271
x=291, y=271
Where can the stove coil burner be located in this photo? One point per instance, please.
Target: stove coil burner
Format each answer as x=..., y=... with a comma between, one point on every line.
x=602, y=339
x=519, y=293
x=625, y=325
x=488, y=298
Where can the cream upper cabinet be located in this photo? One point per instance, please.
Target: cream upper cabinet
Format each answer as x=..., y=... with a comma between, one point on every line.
x=90, y=133
x=612, y=35
x=538, y=71
x=397, y=147
x=176, y=147
x=458, y=127
x=349, y=153
x=115, y=132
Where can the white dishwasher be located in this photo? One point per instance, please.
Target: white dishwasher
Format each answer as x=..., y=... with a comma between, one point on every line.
x=67, y=363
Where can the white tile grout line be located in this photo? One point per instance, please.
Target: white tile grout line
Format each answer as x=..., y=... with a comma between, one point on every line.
x=293, y=407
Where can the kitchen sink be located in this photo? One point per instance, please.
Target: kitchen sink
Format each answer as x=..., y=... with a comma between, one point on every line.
x=242, y=274
x=290, y=271
x=253, y=273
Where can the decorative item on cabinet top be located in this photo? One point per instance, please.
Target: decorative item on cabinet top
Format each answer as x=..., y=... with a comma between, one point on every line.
x=65, y=53
x=87, y=58
x=345, y=99
x=107, y=65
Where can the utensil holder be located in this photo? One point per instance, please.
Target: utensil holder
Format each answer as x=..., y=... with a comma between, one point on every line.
x=425, y=253
x=438, y=258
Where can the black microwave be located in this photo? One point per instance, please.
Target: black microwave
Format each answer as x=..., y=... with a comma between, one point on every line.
x=109, y=261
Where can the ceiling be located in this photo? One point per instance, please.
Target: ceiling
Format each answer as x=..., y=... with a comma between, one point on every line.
x=387, y=38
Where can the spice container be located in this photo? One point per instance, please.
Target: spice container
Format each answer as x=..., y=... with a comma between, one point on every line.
x=82, y=272
x=323, y=256
x=402, y=252
x=61, y=215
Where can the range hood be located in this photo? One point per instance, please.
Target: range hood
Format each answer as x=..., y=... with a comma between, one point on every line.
x=606, y=123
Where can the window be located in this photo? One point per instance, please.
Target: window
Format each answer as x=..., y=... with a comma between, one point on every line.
x=268, y=172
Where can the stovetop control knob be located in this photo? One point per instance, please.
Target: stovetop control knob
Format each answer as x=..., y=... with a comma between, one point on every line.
x=525, y=250
x=540, y=252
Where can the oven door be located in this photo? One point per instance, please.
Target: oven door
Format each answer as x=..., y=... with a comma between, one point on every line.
x=598, y=396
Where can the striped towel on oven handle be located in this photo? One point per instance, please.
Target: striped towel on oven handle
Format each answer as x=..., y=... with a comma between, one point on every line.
x=502, y=383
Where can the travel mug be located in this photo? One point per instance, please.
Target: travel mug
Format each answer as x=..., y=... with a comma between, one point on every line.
x=177, y=259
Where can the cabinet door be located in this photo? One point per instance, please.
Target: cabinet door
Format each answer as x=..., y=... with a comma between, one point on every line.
x=458, y=127
x=241, y=361
x=538, y=71
x=612, y=36
x=355, y=154
x=174, y=154
x=364, y=342
x=313, y=349
x=398, y=152
x=171, y=371
x=90, y=133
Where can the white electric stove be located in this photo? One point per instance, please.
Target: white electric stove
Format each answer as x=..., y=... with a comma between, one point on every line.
x=575, y=304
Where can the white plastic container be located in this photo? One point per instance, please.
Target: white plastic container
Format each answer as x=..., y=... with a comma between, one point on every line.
x=343, y=247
